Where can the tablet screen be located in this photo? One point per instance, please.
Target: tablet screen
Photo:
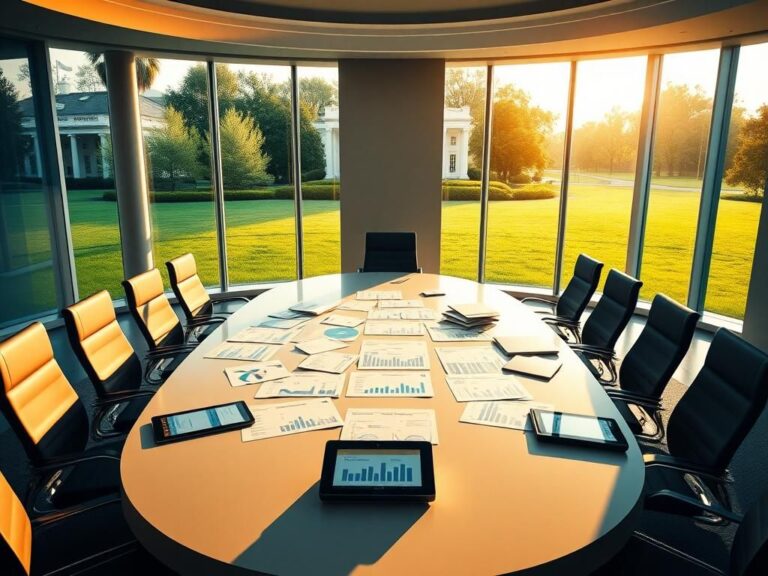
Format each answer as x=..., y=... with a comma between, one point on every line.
x=204, y=419
x=577, y=426
x=395, y=468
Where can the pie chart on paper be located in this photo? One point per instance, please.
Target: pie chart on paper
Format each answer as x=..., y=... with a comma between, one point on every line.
x=341, y=333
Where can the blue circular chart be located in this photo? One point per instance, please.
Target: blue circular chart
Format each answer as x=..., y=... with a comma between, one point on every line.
x=341, y=333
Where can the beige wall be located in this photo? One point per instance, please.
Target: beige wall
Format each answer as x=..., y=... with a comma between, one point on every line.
x=391, y=141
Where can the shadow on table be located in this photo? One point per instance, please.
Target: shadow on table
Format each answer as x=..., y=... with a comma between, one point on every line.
x=313, y=537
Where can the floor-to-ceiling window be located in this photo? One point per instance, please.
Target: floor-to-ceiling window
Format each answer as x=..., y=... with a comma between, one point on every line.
x=320, y=175
x=173, y=101
x=609, y=95
x=82, y=107
x=683, y=119
x=746, y=172
x=529, y=114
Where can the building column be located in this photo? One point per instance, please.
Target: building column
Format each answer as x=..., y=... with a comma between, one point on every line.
x=128, y=159
x=38, y=164
x=446, y=144
x=103, y=153
x=75, y=156
x=463, y=160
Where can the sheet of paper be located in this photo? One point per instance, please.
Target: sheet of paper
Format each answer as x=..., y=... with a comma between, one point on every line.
x=256, y=373
x=342, y=320
x=316, y=307
x=448, y=333
x=393, y=355
x=393, y=328
x=287, y=314
x=390, y=384
x=379, y=295
x=320, y=345
x=504, y=414
x=291, y=418
x=242, y=351
x=402, y=314
x=299, y=384
x=386, y=304
x=333, y=362
x=259, y=335
x=390, y=424
x=479, y=388
x=358, y=305
x=315, y=331
x=470, y=360
x=283, y=324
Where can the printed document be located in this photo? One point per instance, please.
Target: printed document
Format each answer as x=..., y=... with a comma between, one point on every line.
x=392, y=424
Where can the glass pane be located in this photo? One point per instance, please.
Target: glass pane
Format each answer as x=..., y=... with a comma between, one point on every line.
x=27, y=281
x=463, y=125
x=255, y=116
x=609, y=95
x=86, y=150
x=529, y=110
x=320, y=182
x=682, y=129
x=175, y=122
x=746, y=172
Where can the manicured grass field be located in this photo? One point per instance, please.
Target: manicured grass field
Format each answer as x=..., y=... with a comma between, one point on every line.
x=520, y=250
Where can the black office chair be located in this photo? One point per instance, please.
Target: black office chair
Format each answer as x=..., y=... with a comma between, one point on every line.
x=602, y=329
x=390, y=252
x=748, y=555
x=576, y=296
x=706, y=428
x=650, y=364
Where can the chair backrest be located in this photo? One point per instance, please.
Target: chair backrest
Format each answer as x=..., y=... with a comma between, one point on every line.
x=661, y=346
x=749, y=552
x=390, y=252
x=721, y=405
x=186, y=285
x=613, y=310
x=101, y=346
x=151, y=309
x=574, y=299
x=16, y=532
x=37, y=399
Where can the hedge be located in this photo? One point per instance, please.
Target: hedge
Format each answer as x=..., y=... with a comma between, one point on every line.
x=497, y=191
x=743, y=197
x=311, y=192
x=89, y=183
x=317, y=174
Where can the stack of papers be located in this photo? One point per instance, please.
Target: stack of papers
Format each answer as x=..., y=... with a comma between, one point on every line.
x=470, y=315
x=445, y=332
x=529, y=344
x=315, y=307
x=531, y=366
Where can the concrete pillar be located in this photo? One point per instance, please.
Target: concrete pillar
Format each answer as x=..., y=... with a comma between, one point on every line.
x=756, y=316
x=103, y=153
x=128, y=158
x=75, y=156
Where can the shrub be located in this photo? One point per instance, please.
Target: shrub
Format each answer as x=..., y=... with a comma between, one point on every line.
x=743, y=197
x=535, y=192
x=521, y=178
x=473, y=192
x=310, y=192
x=474, y=173
x=317, y=174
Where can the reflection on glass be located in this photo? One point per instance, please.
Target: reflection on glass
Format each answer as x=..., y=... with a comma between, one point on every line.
x=529, y=110
x=320, y=178
x=606, y=113
x=746, y=172
x=86, y=150
x=174, y=119
x=679, y=153
x=463, y=125
x=27, y=282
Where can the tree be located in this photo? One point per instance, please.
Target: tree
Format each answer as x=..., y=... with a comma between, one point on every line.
x=147, y=70
x=316, y=93
x=243, y=164
x=173, y=149
x=23, y=76
x=87, y=79
x=520, y=133
x=607, y=145
x=750, y=163
x=466, y=87
x=10, y=130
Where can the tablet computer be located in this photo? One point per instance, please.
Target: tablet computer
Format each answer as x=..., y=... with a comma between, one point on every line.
x=578, y=429
x=201, y=422
x=377, y=470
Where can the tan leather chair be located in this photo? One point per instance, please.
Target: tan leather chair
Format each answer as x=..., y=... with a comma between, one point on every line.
x=190, y=292
x=108, y=358
x=68, y=541
x=50, y=421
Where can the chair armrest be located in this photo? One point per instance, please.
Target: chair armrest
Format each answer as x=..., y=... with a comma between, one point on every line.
x=169, y=351
x=667, y=461
x=117, y=397
x=640, y=399
x=230, y=299
x=54, y=517
x=205, y=320
x=559, y=320
x=593, y=350
x=540, y=300
x=674, y=502
x=56, y=463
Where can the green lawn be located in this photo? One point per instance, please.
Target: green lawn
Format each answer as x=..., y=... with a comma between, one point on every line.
x=521, y=241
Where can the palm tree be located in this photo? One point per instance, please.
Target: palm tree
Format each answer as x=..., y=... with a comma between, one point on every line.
x=147, y=70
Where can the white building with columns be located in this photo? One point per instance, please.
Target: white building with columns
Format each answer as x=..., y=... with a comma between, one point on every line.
x=457, y=125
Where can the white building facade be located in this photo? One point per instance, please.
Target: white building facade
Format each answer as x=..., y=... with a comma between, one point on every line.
x=457, y=126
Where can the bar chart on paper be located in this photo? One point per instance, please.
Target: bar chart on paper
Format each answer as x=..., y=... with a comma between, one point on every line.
x=395, y=355
x=384, y=468
x=303, y=384
x=291, y=418
x=390, y=384
x=503, y=414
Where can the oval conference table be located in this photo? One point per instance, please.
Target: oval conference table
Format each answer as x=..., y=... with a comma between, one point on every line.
x=505, y=502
